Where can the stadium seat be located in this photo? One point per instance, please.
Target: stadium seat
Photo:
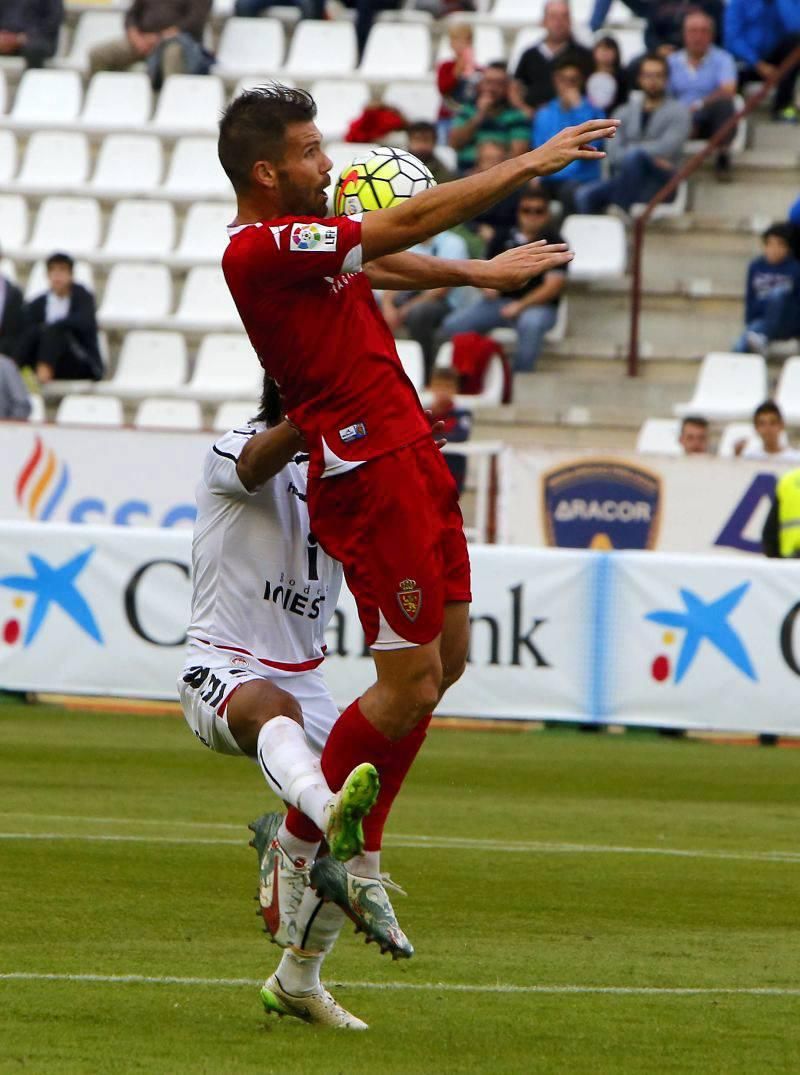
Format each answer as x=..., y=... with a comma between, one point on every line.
x=8, y=156
x=128, y=164
x=631, y=43
x=599, y=245
x=396, y=51
x=71, y=224
x=250, y=82
x=204, y=237
x=339, y=102
x=140, y=229
x=487, y=42
x=410, y=354
x=117, y=100
x=136, y=295
x=250, y=46
x=225, y=368
x=54, y=160
x=493, y=381
x=169, y=414
x=233, y=414
x=728, y=387
x=733, y=434
x=787, y=394
x=322, y=49
x=415, y=100
x=3, y=91
x=559, y=329
x=189, y=103
x=14, y=222
x=205, y=302
x=195, y=171
x=9, y=270
x=659, y=436
x=518, y=12
x=37, y=281
x=38, y=413
x=47, y=98
x=148, y=362
x=667, y=210
x=94, y=28
x=89, y=410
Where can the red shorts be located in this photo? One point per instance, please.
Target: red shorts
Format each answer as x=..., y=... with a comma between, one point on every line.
x=395, y=525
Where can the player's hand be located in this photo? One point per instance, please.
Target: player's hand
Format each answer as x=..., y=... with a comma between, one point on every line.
x=514, y=268
x=572, y=144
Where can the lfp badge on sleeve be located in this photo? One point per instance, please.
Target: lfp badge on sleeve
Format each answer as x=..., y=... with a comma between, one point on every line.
x=601, y=504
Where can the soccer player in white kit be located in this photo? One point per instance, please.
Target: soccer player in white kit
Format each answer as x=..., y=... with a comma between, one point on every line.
x=252, y=684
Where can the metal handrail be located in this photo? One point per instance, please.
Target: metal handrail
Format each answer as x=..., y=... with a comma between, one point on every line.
x=687, y=169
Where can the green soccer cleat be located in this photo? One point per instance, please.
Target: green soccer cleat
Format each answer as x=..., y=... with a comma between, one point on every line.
x=317, y=1006
x=264, y=829
x=281, y=883
x=344, y=834
x=365, y=902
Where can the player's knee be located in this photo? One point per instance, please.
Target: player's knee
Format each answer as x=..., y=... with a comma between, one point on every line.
x=452, y=672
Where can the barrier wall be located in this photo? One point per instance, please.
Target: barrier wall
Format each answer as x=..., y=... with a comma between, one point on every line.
x=626, y=637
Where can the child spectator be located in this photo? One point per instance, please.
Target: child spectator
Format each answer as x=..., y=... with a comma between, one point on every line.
x=770, y=441
x=457, y=420
x=607, y=87
x=458, y=79
x=772, y=299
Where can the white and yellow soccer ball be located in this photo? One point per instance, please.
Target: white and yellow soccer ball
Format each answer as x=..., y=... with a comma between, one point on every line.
x=379, y=179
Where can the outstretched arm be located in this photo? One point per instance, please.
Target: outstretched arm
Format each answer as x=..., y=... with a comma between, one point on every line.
x=506, y=272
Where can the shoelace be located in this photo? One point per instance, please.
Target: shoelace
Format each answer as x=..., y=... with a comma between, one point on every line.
x=387, y=882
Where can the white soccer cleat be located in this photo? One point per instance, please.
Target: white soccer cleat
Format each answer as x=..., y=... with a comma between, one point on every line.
x=317, y=1006
x=282, y=882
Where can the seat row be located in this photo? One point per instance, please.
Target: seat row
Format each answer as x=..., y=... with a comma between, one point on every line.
x=729, y=387
x=153, y=414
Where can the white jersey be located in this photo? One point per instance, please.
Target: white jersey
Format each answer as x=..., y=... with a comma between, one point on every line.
x=261, y=585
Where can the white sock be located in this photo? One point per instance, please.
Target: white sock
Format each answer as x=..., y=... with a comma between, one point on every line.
x=367, y=864
x=298, y=972
x=295, y=847
x=299, y=968
x=292, y=769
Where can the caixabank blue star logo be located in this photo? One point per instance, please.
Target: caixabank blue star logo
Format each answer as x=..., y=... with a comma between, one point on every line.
x=48, y=587
x=701, y=621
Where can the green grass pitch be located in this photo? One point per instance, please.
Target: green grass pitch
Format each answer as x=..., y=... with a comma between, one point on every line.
x=146, y=872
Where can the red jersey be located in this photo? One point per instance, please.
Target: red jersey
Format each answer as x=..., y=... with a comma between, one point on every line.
x=317, y=330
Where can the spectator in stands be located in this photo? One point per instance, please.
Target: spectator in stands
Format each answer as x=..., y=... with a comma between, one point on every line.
x=772, y=298
x=760, y=34
x=59, y=339
x=502, y=216
x=492, y=118
x=533, y=78
x=703, y=77
x=639, y=8
x=166, y=34
x=309, y=9
x=458, y=79
x=457, y=420
x=647, y=149
x=10, y=316
x=770, y=441
x=567, y=109
x=421, y=313
x=694, y=435
x=607, y=86
x=532, y=310
x=15, y=403
x=663, y=32
x=422, y=143
x=29, y=28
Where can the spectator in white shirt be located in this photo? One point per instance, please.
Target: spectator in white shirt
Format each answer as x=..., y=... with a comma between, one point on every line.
x=771, y=433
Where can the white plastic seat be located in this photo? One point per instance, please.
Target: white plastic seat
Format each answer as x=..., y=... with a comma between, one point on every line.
x=148, y=362
x=8, y=156
x=3, y=91
x=251, y=82
x=189, y=103
x=226, y=368
x=37, y=281
x=9, y=270
x=205, y=301
x=728, y=387
x=559, y=329
x=599, y=245
x=169, y=414
x=89, y=410
x=47, y=98
x=487, y=43
x=233, y=415
x=415, y=100
x=71, y=224
x=659, y=436
x=204, y=237
x=136, y=294
x=37, y=413
x=395, y=50
x=117, y=100
x=787, y=394
x=140, y=229
x=412, y=361
x=94, y=28
x=250, y=46
x=55, y=160
x=732, y=435
x=128, y=164
x=14, y=221
x=518, y=12
x=667, y=210
x=493, y=380
x=195, y=171
x=322, y=49
x=339, y=102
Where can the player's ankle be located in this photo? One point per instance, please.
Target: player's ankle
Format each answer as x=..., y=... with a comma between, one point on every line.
x=367, y=864
x=295, y=847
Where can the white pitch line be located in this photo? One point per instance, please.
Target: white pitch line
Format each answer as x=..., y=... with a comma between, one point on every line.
x=437, y=843
x=431, y=987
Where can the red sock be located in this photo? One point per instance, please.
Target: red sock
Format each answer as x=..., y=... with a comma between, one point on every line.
x=301, y=827
x=392, y=777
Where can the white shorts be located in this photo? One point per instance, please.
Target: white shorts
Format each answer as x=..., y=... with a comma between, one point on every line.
x=209, y=678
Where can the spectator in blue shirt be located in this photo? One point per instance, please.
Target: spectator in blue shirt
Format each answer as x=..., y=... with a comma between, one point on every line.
x=703, y=77
x=760, y=34
x=772, y=300
x=664, y=19
x=567, y=109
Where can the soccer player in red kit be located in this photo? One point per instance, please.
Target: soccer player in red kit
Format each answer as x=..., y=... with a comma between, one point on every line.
x=380, y=497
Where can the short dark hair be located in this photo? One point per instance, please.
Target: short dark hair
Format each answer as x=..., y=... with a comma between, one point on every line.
x=498, y=65
x=60, y=259
x=694, y=420
x=769, y=406
x=653, y=57
x=446, y=373
x=421, y=126
x=610, y=43
x=270, y=407
x=253, y=128
x=779, y=231
x=566, y=63
x=530, y=194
